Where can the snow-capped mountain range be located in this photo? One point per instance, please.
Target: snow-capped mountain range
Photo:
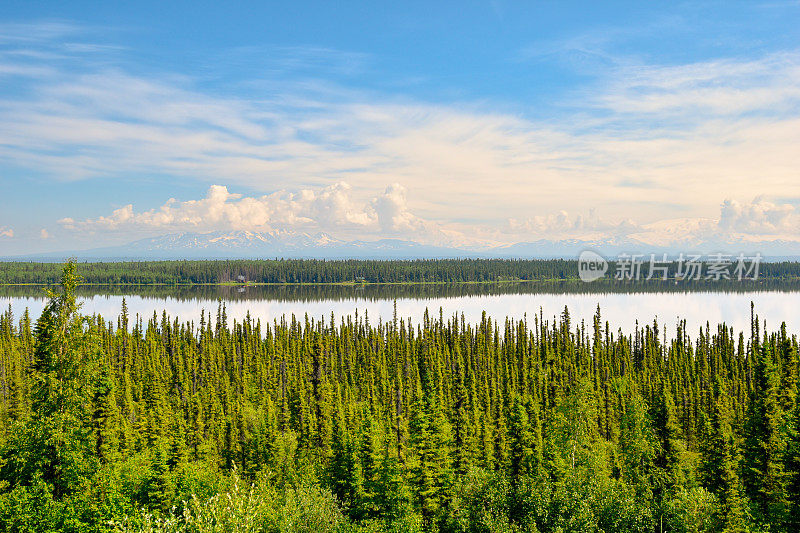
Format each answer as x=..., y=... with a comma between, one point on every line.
x=301, y=245
x=259, y=245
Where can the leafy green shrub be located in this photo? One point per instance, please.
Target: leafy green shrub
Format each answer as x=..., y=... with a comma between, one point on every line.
x=691, y=511
x=247, y=509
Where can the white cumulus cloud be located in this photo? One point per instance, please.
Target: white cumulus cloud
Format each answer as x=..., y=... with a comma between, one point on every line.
x=328, y=208
x=759, y=217
x=393, y=213
x=564, y=225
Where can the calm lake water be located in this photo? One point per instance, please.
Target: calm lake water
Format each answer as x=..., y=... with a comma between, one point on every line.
x=620, y=307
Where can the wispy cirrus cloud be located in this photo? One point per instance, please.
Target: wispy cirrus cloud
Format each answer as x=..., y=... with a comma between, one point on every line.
x=41, y=32
x=767, y=85
x=646, y=142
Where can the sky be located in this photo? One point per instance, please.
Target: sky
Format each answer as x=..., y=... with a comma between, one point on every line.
x=466, y=124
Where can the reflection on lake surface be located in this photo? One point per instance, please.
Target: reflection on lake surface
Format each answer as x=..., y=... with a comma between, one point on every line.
x=619, y=305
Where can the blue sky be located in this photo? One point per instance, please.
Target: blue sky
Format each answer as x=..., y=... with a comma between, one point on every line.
x=458, y=123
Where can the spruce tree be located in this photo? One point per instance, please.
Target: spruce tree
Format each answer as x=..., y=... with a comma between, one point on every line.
x=55, y=446
x=763, y=474
x=792, y=466
x=669, y=447
x=719, y=466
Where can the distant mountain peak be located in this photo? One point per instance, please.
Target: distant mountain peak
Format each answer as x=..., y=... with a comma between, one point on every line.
x=288, y=244
x=264, y=245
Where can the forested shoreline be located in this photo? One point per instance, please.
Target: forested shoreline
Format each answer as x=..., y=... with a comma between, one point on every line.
x=149, y=424
x=315, y=271
x=290, y=271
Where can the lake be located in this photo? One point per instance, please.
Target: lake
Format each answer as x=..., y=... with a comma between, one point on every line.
x=620, y=307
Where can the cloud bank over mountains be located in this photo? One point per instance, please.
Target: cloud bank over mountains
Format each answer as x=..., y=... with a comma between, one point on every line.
x=333, y=210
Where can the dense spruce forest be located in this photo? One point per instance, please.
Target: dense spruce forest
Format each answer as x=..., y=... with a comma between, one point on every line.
x=321, y=271
x=294, y=271
x=135, y=423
